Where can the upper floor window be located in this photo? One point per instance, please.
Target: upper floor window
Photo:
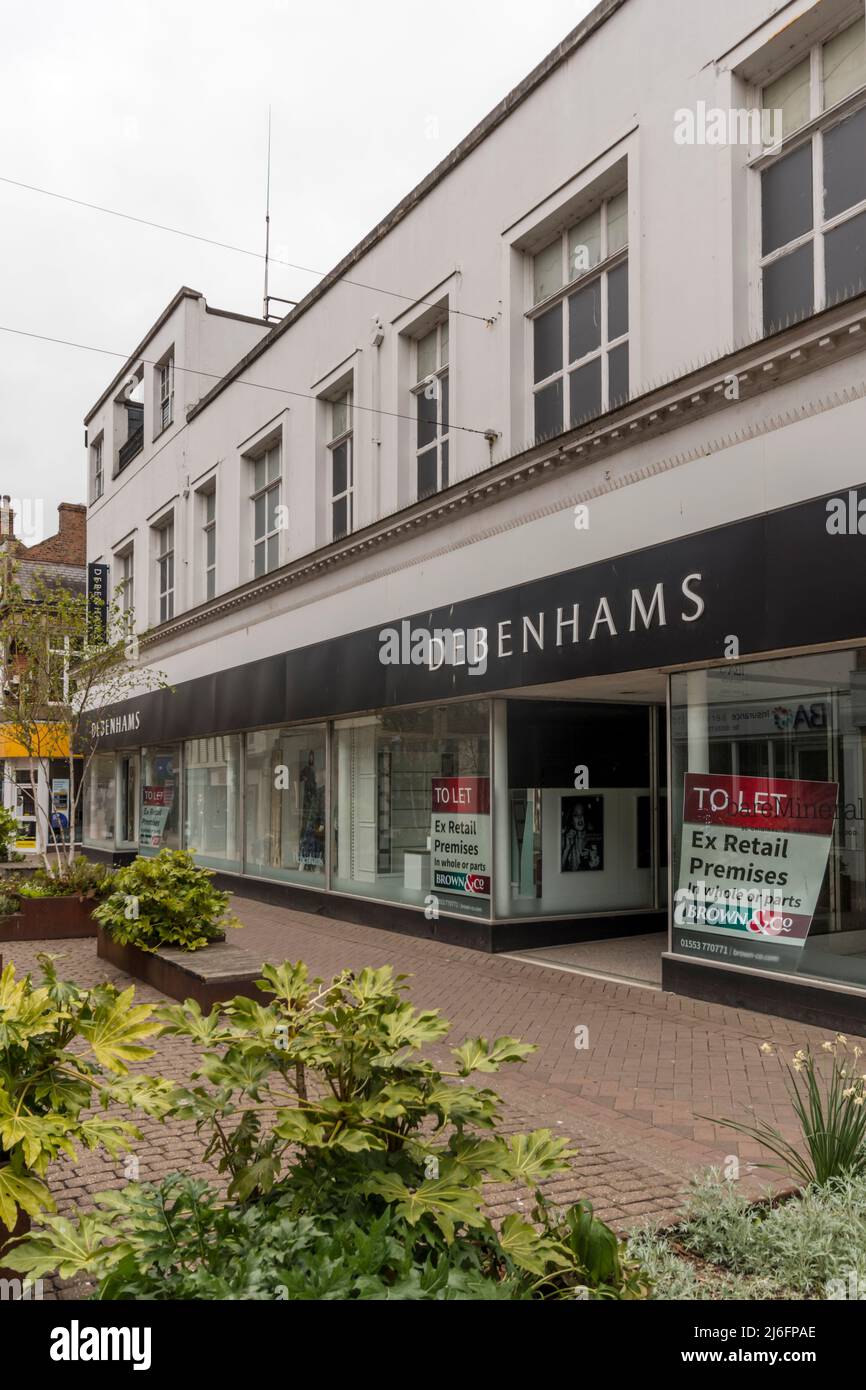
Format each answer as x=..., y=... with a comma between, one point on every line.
x=432, y=410
x=580, y=320
x=267, y=510
x=208, y=505
x=125, y=575
x=813, y=194
x=342, y=467
x=165, y=394
x=165, y=568
x=97, y=470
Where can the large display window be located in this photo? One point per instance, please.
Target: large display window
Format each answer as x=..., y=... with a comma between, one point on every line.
x=411, y=807
x=211, y=769
x=285, y=785
x=100, y=801
x=769, y=865
x=159, y=809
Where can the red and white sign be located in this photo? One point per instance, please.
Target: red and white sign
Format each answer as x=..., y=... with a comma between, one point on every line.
x=460, y=836
x=462, y=794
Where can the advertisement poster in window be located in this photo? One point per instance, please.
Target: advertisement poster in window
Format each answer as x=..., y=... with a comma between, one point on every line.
x=156, y=802
x=753, y=858
x=460, y=836
x=581, y=836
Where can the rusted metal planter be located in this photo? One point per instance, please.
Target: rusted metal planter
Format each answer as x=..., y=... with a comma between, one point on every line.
x=49, y=919
x=210, y=976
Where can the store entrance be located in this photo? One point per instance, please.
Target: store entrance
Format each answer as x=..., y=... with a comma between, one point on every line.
x=586, y=827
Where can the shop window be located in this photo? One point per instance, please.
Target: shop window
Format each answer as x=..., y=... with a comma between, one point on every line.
x=99, y=802
x=813, y=196
x=578, y=849
x=411, y=798
x=159, y=808
x=769, y=857
x=212, y=800
x=285, y=804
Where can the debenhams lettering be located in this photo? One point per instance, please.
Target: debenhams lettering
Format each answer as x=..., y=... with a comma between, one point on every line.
x=115, y=724
x=405, y=645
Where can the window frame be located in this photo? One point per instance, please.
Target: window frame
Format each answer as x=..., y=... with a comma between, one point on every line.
x=271, y=484
x=347, y=437
x=166, y=568
x=606, y=264
x=164, y=393
x=126, y=584
x=822, y=119
x=97, y=458
x=442, y=438
x=207, y=497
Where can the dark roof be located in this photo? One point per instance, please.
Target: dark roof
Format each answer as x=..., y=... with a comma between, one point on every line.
x=71, y=577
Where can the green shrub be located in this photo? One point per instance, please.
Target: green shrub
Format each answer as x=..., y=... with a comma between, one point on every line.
x=81, y=878
x=47, y=1090
x=830, y=1109
x=168, y=900
x=8, y=835
x=355, y=1167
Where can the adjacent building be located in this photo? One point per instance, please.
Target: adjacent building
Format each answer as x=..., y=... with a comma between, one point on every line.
x=510, y=588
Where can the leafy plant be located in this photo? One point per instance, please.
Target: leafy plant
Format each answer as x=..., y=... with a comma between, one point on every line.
x=81, y=878
x=46, y=1088
x=168, y=900
x=8, y=904
x=356, y=1167
x=831, y=1111
x=8, y=833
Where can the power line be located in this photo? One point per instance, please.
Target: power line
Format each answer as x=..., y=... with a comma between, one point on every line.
x=217, y=376
x=228, y=246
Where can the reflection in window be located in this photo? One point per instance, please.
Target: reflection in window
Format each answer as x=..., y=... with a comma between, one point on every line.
x=285, y=804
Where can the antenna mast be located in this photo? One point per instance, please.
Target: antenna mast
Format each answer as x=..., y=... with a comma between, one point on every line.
x=267, y=220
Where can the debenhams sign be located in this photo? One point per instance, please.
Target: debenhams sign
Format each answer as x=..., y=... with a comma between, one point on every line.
x=115, y=724
x=472, y=646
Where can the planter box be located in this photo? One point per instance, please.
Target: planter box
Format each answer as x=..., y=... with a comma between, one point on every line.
x=210, y=976
x=49, y=919
x=22, y=1226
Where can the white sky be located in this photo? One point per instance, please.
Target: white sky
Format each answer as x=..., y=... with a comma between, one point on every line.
x=159, y=109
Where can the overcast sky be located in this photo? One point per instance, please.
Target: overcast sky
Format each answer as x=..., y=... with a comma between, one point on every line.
x=159, y=109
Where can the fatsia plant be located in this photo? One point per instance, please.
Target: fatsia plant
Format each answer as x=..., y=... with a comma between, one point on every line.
x=324, y=1107
x=168, y=900
x=46, y=1088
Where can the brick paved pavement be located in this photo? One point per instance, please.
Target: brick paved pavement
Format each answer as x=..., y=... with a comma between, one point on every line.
x=631, y=1101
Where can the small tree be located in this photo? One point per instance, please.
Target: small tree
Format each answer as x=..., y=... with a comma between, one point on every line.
x=65, y=659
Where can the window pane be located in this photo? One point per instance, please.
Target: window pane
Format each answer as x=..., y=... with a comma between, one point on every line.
x=786, y=199
x=259, y=553
x=845, y=164
x=273, y=496
x=617, y=375
x=212, y=800
x=273, y=552
x=788, y=289
x=444, y=452
x=548, y=410
x=584, y=245
x=428, y=414
x=845, y=253
x=340, y=421
x=617, y=223
x=210, y=547
x=443, y=403
x=259, y=474
x=427, y=482
x=338, y=518
x=547, y=270
x=585, y=391
x=210, y=506
x=790, y=95
x=617, y=302
x=273, y=464
x=284, y=804
x=427, y=356
x=845, y=63
x=584, y=321
x=211, y=583
x=444, y=344
x=341, y=471
x=260, y=527
x=548, y=343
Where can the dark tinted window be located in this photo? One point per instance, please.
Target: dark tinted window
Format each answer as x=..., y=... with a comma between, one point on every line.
x=617, y=374
x=845, y=164
x=786, y=199
x=548, y=343
x=548, y=410
x=845, y=258
x=585, y=388
x=584, y=321
x=617, y=302
x=788, y=289
x=427, y=473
